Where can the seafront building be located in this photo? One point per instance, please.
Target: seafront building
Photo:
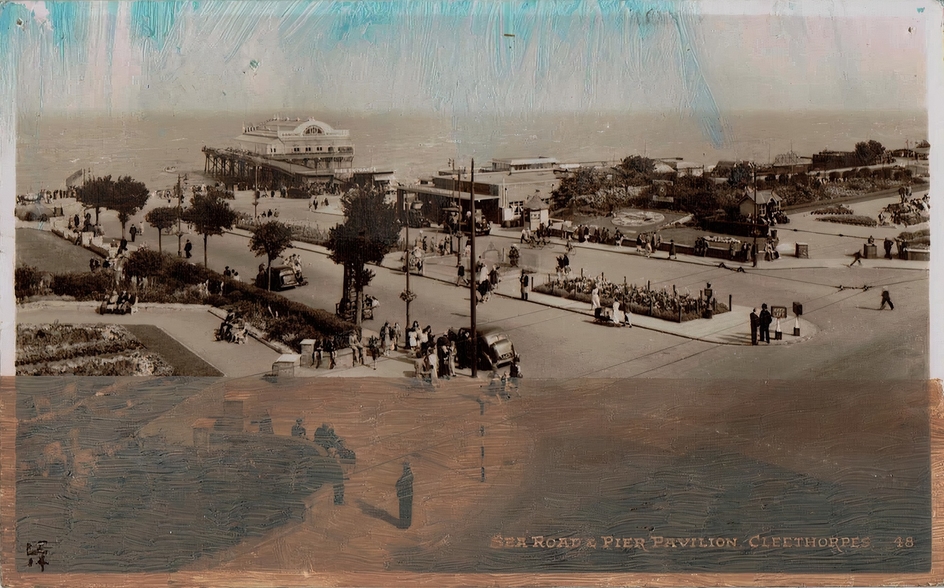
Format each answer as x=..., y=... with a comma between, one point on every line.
x=284, y=151
x=501, y=189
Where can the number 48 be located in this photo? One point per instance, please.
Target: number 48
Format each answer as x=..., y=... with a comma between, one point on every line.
x=906, y=542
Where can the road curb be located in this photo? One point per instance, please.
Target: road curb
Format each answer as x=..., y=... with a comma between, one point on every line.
x=575, y=311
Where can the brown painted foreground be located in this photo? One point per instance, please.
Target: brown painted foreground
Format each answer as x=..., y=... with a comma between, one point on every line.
x=184, y=481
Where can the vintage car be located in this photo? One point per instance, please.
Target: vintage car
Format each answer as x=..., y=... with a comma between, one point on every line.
x=494, y=349
x=282, y=277
x=452, y=219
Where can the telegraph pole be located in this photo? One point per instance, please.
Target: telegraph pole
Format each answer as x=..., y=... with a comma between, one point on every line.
x=754, y=252
x=473, y=271
x=180, y=198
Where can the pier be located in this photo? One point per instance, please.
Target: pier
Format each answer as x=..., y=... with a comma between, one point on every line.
x=233, y=166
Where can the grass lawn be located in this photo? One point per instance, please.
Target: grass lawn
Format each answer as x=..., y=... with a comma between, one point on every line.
x=185, y=362
x=50, y=253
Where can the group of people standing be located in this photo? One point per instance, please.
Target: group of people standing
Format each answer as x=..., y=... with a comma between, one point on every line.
x=760, y=325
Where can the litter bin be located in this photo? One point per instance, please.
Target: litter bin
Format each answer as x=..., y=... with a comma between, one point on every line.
x=870, y=251
x=802, y=250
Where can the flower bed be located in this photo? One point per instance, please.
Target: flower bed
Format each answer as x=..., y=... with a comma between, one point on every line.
x=862, y=221
x=663, y=304
x=84, y=350
x=178, y=281
x=837, y=209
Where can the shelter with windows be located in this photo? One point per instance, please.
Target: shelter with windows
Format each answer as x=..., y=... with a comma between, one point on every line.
x=768, y=203
x=536, y=212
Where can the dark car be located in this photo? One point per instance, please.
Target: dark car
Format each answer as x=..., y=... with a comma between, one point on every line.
x=452, y=220
x=494, y=349
x=283, y=277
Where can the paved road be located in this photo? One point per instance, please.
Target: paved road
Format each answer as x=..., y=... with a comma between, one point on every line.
x=853, y=340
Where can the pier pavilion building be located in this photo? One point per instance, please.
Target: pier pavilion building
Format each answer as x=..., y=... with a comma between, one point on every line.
x=284, y=151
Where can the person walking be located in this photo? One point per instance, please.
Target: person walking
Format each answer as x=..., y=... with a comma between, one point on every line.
x=886, y=299
x=134, y=232
x=397, y=334
x=525, y=282
x=888, y=248
x=460, y=278
x=673, y=254
x=451, y=359
x=405, y=496
x=385, y=339
x=856, y=258
x=765, y=320
x=188, y=249
x=755, y=325
x=594, y=299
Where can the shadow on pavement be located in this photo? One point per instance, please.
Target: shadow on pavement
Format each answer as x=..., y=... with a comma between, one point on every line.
x=377, y=513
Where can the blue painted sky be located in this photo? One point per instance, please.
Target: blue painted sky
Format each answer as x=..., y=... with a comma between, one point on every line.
x=461, y=57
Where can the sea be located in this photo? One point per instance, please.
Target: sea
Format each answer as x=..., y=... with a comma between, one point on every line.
x=155, y=147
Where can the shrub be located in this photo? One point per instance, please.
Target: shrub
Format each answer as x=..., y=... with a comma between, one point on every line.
x=26, y=281
x=84, y=285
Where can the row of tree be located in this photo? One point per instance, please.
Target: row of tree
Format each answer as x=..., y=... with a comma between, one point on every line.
x=371, y=228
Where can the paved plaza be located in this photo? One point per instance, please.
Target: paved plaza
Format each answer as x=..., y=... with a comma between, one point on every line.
x=841, y=330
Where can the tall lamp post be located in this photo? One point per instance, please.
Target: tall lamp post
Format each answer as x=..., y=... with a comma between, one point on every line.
x=180, y=201
x=754, y=250
x=407, y=296
x=474, y=266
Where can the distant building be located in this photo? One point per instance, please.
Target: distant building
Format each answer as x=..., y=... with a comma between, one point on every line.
x=310, y=143
x=723, y=168
x=790, y=162
x=767, y=203
x=825, y=160
x=499, y=195
x=523, y=165
x=682, y=168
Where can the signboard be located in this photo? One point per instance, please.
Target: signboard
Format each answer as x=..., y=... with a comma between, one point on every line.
x=778, y=312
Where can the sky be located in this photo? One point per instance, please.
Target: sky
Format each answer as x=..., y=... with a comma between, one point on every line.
x=467, y=56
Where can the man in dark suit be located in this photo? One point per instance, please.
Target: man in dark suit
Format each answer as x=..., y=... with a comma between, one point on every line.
x=405, y=495
x=765, y=320
x=755, y=324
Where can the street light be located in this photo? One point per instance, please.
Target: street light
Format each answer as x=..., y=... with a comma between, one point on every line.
x=754, y=250
x=180, y=200
x=472, y=263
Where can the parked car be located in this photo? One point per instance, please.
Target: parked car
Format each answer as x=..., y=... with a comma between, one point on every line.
x=452, y=220
x=494, y=349
x=282, y=278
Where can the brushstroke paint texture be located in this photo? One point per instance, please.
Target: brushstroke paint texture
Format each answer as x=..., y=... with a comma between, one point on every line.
x=454, y=58
x=8, y=55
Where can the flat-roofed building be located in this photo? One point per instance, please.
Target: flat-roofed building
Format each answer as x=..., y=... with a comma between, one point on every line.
x=499, y=195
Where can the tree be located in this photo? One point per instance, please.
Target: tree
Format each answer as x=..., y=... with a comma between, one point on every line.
x=583, y=181
x=162, y=219
x=126, y=196
x=210, y=215
x=129, y=197
x=270, y=239
x=371, y=230
x=144, y=263
x=637, y=170
x=869, y=152
x=741, y=175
